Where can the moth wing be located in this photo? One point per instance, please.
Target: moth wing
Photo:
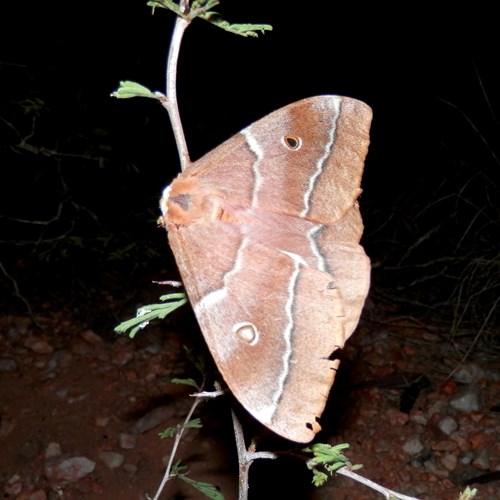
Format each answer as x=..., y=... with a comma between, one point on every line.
x=319, y=179
x=271, y=324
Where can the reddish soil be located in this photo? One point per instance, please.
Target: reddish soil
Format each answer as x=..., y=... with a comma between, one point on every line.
x=68, y=392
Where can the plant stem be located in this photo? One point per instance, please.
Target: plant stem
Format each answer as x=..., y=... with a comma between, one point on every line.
x=245, y=457
x=389, y=494
x=171, y=91
x=178, y=437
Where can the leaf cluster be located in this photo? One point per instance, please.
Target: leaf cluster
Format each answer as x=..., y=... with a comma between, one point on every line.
x=202, y=9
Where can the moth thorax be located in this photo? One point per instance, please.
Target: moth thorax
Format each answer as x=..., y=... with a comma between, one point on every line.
x=185, y=202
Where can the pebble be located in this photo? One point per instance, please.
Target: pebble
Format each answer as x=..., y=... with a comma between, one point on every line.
x=444, y=445
x=153, y=419
x=449, y=461
x=52, y=450
x=419, y=417
x=127, y=441
x=91, y=337
x=154, y=348
x=13, y=488
x=112, y=459
x=466, y=399
x=130, y=469
x=413, y=446
x=123, y=357
x=482, y=461
x=8, y=365
x=38, y=345
x=68, y=469
x=101, y=421
x=469, y=373
x=448, y=425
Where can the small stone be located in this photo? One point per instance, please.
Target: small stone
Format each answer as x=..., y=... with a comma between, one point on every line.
x=112, y=459
x=396, y=418
x=59, y=359
x=381, y=446
x=101, y=421
x=123, y=357
x=62, y=393
x=127, y=441
x=81, y=348
x=70, y=469
x=91, y=337
x=8, y=365
x=467, y=458
x=130, y=469
x=467, y=399
x=414, y=446
x=418, y=417
x=447, y=425
x=77, y=399
x=38, y=345
x=53, y=450
x=154, y=348
x=445, y=445
x=131, y=375
x=449, y=461
x=482, y=461
x=469, y=373
x=14, y=486
x=153, y=419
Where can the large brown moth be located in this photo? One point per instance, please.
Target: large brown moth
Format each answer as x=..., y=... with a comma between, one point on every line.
x=265, y=230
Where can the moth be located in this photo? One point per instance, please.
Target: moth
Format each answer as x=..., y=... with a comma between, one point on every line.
x=265, y=230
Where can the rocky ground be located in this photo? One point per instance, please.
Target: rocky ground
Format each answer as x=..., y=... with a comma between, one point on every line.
x=81, y=412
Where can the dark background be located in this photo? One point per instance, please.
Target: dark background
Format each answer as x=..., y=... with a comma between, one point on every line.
x=81, y=173
x=95, y=166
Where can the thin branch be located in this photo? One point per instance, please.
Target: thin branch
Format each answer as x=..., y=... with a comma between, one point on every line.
x=178, y=436
x=245, y=457
x=389, y=494
x=17, y=293
x=171, y=102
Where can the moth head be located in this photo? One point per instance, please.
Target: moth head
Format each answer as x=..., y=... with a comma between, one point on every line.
x=186, y=201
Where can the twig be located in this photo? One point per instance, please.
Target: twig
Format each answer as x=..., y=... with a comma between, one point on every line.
x=17, y=293
x=178, y=436
x=169, y=101
x=246, y=457
x=345, y=471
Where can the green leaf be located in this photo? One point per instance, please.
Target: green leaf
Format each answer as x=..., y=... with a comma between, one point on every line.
x=207, y=489
x=319, y=478
x=237, y=29
x=185, y=381
x=168, y=433
x=128, y=89
x=194, y=424
x=201, y=9
x=468, y=494
x=328, y=456
x=337, y=466
x=147, y=313
x=326, y=453
x=178, y=468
